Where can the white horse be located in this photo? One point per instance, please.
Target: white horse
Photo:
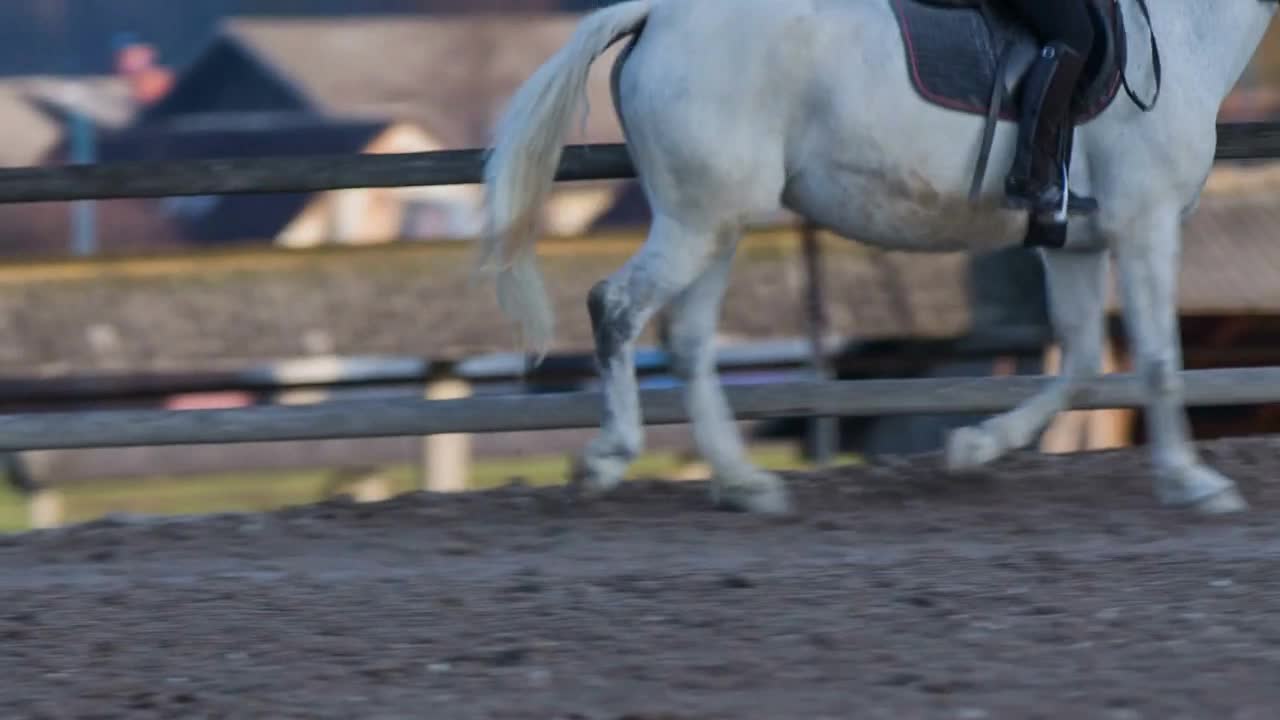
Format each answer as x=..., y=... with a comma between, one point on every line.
x=732, y=108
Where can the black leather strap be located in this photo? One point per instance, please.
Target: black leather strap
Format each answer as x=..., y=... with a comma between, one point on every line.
x=989, y=128
x=1155, y=64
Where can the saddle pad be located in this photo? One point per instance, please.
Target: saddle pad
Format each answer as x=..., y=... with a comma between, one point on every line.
x=953, y=53
x=950, y=55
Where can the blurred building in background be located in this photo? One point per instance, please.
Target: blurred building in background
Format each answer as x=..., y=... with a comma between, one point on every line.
x=118, y=80
x=314, y=85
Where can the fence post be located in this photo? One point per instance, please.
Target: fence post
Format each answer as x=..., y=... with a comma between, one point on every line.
x=446, y=458
x=46, y=508
x=1111, y=428
x=1077, y=430
x=84, y=235
x=824, y=432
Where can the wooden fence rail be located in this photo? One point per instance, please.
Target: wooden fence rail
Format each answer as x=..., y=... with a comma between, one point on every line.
x=331, y=373
x=1236, y=141
x=521, y=412
x=390, y=418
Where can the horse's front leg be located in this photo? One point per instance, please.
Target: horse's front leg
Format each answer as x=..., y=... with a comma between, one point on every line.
x=1148, y=275
x=1076, y=298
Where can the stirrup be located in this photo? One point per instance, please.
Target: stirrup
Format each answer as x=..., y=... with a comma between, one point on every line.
x=1070, y=204
x=1076, y=204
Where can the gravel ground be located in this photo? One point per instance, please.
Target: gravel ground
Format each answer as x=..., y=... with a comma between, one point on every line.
x=1052, y=587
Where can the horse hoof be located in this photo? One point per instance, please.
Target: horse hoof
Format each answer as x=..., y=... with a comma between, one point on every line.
x=1227, y=502
x=765, y=494
x=588, y=480
x=1200, y=488
x=970, y=448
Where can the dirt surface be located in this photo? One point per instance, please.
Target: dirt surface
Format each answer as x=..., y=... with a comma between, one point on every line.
x=1051, y=588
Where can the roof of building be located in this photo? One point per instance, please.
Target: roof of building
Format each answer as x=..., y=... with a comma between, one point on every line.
x=254, y=218
x=29, y=133
x=450, y=74
x=32, y=109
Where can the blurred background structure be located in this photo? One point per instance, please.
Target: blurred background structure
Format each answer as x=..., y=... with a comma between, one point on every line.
x=226, y=301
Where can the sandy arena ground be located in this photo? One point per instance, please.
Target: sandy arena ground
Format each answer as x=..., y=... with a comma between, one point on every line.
x=1052, y=588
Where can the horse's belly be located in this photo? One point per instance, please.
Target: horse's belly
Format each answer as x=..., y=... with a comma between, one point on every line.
x=903, y=212
x=877, y=164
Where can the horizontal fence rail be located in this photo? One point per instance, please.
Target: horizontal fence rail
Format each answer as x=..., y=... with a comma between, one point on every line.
x=233, y=176
x=519, y=412
x=229, y=176
x=375, y=371
x=510, y=413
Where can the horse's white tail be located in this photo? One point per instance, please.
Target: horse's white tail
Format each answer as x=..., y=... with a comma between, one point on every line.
x=521, y=167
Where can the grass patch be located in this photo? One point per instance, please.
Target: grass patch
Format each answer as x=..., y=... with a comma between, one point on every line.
x=13, y=510
x=265, y=491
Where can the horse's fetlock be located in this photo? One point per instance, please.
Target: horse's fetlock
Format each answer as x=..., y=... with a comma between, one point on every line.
x=597, y=304
x=1162, y=376
x=611, y=322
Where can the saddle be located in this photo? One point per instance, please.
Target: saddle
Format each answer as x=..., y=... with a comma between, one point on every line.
x=971, y=57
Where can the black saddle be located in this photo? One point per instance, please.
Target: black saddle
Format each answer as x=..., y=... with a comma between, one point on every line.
x=971, y=57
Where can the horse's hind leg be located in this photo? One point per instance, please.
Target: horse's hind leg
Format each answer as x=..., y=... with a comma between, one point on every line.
x=736, y=483
x=1076, y=295
x=672, y=257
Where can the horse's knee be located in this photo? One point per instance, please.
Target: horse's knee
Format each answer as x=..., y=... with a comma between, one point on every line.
x=1082, y=352
x=612, y=321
